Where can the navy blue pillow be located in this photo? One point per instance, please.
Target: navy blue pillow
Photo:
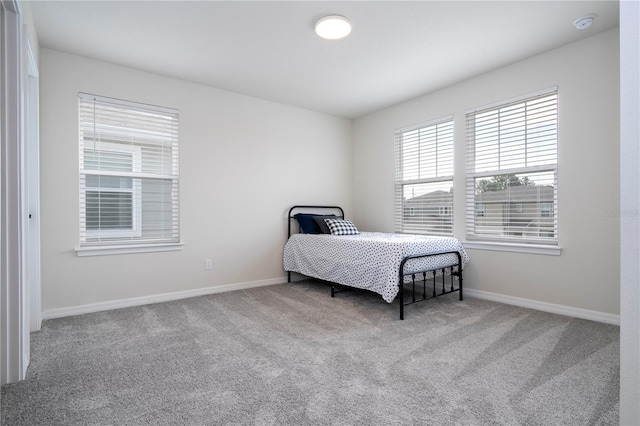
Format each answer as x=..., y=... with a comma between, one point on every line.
x=322, y=224
x=307, y=224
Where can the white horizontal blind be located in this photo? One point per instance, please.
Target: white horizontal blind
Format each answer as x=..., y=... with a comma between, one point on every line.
x=424, y=178
x=512, y=183
x=129, y=180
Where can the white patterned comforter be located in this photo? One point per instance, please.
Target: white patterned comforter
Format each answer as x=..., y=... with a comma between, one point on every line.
x=369, y=260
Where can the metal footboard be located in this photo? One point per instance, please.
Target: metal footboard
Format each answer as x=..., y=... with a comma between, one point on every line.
x=455, y=270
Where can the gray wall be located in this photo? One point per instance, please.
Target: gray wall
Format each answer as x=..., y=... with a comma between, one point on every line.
x=586, y=275
x=243, y=163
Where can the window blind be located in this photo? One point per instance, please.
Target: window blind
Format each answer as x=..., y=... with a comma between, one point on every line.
x=129, y=180
x=424, y=178
x=511, y=182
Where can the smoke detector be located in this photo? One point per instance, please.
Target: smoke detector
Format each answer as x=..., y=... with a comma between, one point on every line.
x=584, y=22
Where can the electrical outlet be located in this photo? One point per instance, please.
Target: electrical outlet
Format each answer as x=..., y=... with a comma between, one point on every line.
x=208, y=264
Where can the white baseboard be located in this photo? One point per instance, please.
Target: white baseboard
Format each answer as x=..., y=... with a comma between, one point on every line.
x=546, y=307
x=156, y=298
x=166, y=297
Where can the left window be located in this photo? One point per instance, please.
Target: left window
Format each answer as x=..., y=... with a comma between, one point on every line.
x=129, y=180
x=424, y=178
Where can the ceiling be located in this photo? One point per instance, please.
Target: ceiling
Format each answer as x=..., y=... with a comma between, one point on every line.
x=268, y=49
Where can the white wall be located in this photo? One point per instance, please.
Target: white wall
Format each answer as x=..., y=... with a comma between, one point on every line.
x=630, y=217
x=243, y=163
x=586, y=275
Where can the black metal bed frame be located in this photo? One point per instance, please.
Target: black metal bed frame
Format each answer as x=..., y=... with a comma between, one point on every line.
x=455, y=270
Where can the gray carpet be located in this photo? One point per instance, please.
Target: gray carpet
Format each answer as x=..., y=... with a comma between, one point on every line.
x=291, y=355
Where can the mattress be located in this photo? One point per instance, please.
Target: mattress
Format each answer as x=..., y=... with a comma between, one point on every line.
x=369, y=260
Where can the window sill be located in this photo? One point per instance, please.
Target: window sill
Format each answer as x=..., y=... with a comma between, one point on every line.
x=514, y=248
x=127, y=249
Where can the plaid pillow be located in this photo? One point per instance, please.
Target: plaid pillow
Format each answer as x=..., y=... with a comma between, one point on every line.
x=341, y=227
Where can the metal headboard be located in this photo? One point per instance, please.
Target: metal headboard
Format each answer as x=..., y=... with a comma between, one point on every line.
x=314, y=209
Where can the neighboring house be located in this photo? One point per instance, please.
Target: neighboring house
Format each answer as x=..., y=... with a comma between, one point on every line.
x=516, y=211
x=430, y=213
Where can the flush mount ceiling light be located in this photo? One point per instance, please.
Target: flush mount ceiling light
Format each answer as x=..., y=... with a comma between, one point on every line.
x=333, y=27
x=584, y=22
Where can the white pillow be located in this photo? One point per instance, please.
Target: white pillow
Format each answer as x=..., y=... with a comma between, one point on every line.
x=341, y=227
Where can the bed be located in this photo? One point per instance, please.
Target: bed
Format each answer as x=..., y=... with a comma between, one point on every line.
x=411, y=268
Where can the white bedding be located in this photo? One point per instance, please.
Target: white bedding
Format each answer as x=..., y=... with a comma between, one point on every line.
x=369, y=260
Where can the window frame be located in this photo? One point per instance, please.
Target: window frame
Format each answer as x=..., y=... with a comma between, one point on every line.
x=136, y=201
x=129, y=128
x=505, y=241
x=401, y=225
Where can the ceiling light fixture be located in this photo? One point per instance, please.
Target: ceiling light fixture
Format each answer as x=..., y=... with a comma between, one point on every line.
x=584, y=22
x=333, y=27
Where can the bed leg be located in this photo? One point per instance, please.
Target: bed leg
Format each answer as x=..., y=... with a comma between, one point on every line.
x=413, y=285
x=333, y=291
x=401, y=300
x=288, y=276
x=460, y=280
x=451, y=276
x=434, y=282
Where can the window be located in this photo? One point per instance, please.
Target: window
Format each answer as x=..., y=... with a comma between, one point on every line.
x=424, y=178
x=110, y=206
x=512, y=170
x=546, y=210
x=128, y=173
x=445, y=210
